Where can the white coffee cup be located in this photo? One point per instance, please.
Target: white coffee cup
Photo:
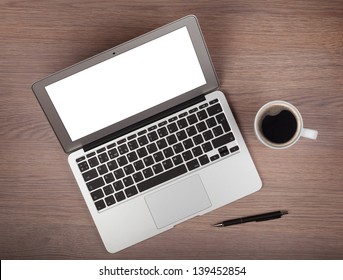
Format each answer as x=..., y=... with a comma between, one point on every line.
x=268, y=122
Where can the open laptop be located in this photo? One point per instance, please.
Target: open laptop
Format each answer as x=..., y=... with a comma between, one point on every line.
x=151, y=141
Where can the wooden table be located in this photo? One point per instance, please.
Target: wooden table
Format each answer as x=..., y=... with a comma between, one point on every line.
x=262, y=51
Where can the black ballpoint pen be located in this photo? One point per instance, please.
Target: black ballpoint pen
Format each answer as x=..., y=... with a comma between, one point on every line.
x=255, y=218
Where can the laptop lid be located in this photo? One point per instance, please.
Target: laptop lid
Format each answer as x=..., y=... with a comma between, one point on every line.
x=126, y=84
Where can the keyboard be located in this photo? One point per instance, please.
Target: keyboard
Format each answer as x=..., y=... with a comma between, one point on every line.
x=181, y=143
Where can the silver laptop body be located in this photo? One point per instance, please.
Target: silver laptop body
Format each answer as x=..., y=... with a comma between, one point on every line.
x=151, y=140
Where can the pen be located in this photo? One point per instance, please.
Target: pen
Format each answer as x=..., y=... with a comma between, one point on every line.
x=255, y=218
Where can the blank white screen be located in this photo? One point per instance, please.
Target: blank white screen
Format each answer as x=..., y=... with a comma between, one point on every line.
x=127, y=84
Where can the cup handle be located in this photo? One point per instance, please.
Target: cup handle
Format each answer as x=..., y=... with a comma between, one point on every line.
x=309, y=133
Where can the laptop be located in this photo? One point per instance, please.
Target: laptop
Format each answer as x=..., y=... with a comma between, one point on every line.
x=151, y=140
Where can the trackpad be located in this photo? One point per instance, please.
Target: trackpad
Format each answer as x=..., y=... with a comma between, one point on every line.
x=178, y=201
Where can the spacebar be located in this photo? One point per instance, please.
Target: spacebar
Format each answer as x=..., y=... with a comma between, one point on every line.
x=161, y=178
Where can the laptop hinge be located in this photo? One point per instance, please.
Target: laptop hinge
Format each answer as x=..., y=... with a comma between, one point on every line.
x=142, y=123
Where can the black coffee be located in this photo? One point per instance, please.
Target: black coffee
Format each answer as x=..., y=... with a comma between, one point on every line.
x=279, y=128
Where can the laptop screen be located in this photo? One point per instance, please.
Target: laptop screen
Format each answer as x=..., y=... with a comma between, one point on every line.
x=127, y=84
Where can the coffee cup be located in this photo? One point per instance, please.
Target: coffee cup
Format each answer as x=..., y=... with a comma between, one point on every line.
x=279, y=125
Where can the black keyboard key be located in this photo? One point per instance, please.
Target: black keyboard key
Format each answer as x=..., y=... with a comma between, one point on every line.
x=223, y=121
x=178, y=148
x=148, y=161
x=197, y=151
x=172, y=119
x=133, y=145
x=142, y=140
x=141, y=132
x=122, y=161
x=129, y=169
x=93, y=162
x=207, y=147
x=123, y=149
x=108, y=189
x=110, y=200
x=191, y=131
x=167, y=164
x=151, y=148
x=204, y=160
x=201, y=126
x=187, y=155
x=168, y=152
x=215, y=109
x=137, y=177
x=131, y=191
x=161, y=144
x=188, y=143
x=193, y=164
x=102, y=169
x=148, y=172
x=158, y=156
x=97, y=183
x=103, y=157
x=80, y=159
x=193, y=110
x=162, y=123
x=152, y=136
x=197, y=139
x=119, y=173
x=109, y=178
x=83, y=166
x=203, y=106
x=121, y=141
x=222, y=140
x=208, y=135
x=217, y=130
x=162, y=132
x=90, y=155
x=213, y=101
x=113, y=153
x=192, y=119
x=157, y=168
x=181, y=135
x=112, y=165
x=131, y=137
x=132, y=156
x=226, y=126
x=211, y=122
x=202, y=115
x=213, y=158
x=142, y=152
x=171, y=139
x=138, y=165
x=128, y=181
x=111, y=146
x=223, y=151
x=101, y=150
x=161, y=178
x=119, y=196
x=89, y=175
x=182, y=123
x=118, y=185
x=100, y=205
x=152, y=127
x=183, y=115
x=234, y=149
x=172, y=128
x=177, y=160
x=97, y=194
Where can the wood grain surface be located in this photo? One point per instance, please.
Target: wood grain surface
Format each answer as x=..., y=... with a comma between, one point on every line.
x=262, y=51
